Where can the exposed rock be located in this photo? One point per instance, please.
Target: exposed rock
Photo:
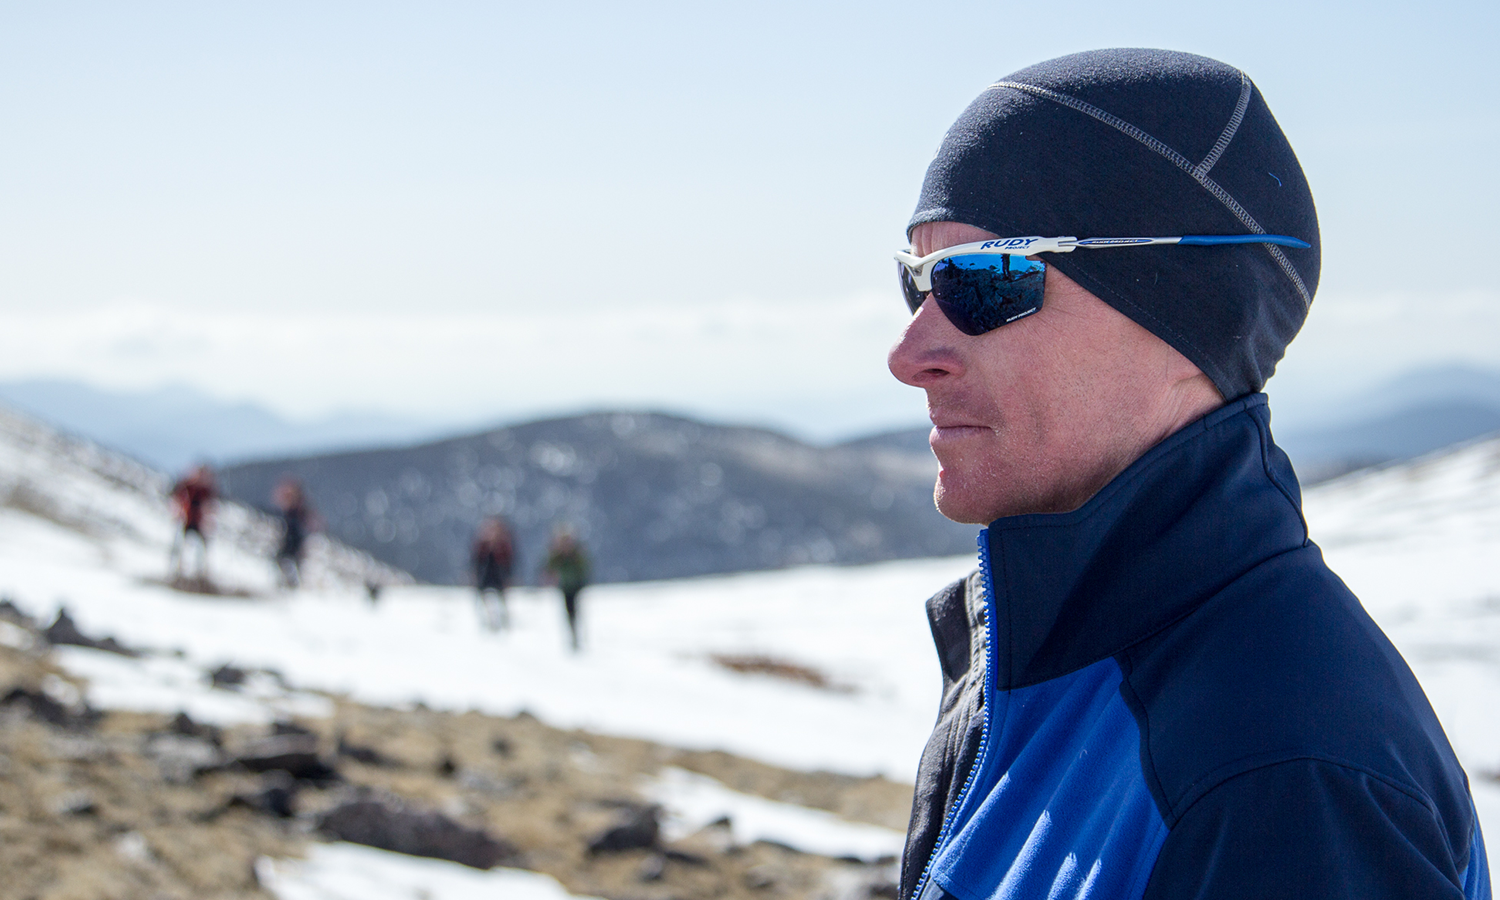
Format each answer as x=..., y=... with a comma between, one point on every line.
x=228, y=676
x=184, y=724
x=361, y=754
x=635, y=827
x=278, y=797
x=40, y=706
x=181, y=757
x=294, y=754
x=13, y=614
x=392, y=825
x=284, y=727
x=64, y=631
x=75, y=803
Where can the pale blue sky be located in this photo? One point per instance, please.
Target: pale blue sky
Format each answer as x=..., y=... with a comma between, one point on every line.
x=482, y=208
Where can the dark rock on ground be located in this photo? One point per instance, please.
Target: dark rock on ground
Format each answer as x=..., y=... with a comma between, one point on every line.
x=635, y=827
x=13, y=614
x=184, y=724
x=294, y=754
x=228, y=676
x=392, y=825
x=64, y=631
x=75, y=803
x=40, y=706
x=361, y=754
x=277, y=798
x=284, y=728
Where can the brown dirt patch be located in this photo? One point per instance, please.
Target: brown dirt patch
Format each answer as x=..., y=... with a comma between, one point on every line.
x=87, y=812
x=777, y=668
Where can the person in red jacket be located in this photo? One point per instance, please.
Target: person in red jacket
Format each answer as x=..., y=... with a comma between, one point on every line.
x=192, y=500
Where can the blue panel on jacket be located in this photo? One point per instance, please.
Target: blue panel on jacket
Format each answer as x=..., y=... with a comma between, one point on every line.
x=1476, y=878
x=1058, y=807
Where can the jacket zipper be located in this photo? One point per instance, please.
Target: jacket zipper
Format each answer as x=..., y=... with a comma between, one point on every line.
x=990, y=662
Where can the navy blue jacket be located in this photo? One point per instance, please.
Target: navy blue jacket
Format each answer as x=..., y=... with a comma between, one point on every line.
x=1167, y=694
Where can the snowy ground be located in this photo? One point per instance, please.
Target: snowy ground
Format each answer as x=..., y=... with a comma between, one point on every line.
x=352, y=872
x=1418, y=543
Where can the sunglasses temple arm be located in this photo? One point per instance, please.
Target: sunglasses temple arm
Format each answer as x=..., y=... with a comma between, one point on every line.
x=1195, y=240
x=1210, y=240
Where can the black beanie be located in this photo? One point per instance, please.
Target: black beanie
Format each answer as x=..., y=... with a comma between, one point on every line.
x=1145, y=143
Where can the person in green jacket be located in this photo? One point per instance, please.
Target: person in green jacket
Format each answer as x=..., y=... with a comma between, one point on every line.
x=568, y=567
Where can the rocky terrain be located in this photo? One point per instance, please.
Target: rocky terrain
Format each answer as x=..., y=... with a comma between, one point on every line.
x=653, y=496
x=108, y=804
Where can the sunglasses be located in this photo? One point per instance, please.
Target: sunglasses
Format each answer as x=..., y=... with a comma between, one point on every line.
x=986, y=284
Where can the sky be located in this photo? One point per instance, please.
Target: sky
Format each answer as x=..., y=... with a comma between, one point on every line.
x=474, y=210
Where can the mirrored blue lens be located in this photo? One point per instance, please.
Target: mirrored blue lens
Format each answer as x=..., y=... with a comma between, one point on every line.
x=979, y=292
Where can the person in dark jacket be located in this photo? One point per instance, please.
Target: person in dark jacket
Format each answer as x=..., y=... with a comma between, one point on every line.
x=568, y=567
x=1153, y=685
x=492, y=559
x=297, y=522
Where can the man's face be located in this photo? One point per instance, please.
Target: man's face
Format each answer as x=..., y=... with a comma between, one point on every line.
x=1039, y=414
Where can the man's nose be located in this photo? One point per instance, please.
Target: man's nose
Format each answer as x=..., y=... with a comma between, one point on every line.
x=928, y=350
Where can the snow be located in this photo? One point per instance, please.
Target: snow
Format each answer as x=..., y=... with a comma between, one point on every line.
x=168, y=684
x=693, y=801
x=352, y=872
x=1418, y=543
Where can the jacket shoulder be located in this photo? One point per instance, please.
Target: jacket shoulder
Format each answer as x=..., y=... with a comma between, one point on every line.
x=1284, y=665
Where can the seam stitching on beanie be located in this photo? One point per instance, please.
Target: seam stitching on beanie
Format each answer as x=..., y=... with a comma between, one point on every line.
x=1229, y=130
x=1177, y=159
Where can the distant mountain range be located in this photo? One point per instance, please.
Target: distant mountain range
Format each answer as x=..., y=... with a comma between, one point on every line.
x=1408, y=416
x=172, y=427
x=651, y=495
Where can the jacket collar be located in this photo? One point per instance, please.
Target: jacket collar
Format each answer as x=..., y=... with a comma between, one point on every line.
x=1198, y=510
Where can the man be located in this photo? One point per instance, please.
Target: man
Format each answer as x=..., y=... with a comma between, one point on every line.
x=1153, y=686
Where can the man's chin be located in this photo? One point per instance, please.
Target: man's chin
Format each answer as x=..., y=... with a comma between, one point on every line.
x=959, y=506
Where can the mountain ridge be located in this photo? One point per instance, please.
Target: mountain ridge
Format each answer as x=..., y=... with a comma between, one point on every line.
x=652, y=495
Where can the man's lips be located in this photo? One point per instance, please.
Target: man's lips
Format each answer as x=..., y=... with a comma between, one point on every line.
x=943, y=432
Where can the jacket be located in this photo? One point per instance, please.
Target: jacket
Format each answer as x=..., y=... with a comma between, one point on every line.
x=1167, y=693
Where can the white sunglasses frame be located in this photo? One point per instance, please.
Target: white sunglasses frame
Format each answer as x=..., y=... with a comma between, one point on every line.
x=921, y=266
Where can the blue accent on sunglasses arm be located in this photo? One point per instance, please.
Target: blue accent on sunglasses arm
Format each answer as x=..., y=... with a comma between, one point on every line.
x=1208, y=240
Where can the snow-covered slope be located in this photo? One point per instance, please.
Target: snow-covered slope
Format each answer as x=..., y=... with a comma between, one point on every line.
x=1418, y=542
x=114, y=513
